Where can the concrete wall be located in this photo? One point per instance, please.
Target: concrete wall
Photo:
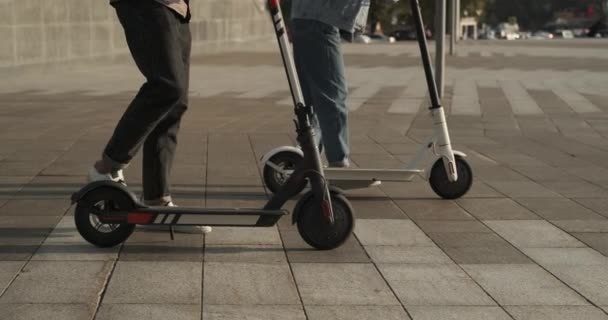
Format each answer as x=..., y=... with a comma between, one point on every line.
x=50, y=31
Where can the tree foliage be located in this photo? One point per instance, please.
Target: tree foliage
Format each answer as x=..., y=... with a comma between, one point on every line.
x=531, y=14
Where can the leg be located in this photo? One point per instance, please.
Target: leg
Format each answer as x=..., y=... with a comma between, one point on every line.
x=160, y=145
x=320, y=65
x=152, y=33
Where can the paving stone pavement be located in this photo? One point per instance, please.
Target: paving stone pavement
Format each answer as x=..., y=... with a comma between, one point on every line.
x=528, y=242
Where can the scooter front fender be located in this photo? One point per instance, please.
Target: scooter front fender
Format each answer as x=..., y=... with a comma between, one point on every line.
x=80, y=194
x=277, y=150
x=427, y=170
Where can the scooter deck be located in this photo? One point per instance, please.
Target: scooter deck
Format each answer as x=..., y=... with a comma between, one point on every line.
x=370, y=174
x=344, y=178
x=203, y=216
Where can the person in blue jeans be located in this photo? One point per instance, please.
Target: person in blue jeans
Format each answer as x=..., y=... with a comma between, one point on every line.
x=315, y=30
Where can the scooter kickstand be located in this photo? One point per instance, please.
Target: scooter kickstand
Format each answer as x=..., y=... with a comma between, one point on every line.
x=171, y=232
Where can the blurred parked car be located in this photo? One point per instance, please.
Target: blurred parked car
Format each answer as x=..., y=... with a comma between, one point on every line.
x=404, y=34
x=580, y=32
x=598, y=30
x=488, y=34
x=409, y=34
x=381, y=38
x=361, y=38
x=524, y=35
x=564, y=34
x=602, y=33
x=508, y=31
x=541, y=35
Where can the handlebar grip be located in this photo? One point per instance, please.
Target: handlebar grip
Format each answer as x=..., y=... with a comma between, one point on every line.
x=273, y=4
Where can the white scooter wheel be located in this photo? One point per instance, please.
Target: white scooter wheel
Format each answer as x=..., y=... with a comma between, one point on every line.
x=446, y=189
x=286, y=162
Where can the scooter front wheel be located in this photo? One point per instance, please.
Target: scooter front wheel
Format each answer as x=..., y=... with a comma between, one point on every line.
x=316, y=229
x=278, y=169
x=446, y=189
x=95, y=204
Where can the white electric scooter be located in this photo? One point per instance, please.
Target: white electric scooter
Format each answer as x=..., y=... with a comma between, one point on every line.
x=449, y=175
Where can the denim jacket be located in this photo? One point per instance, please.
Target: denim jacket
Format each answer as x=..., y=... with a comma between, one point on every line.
x=347, y=15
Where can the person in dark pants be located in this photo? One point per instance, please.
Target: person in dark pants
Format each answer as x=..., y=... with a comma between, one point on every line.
x=315, y=30
x=158, y=36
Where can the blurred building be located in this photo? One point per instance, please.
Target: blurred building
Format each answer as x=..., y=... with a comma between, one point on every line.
x=52, y=31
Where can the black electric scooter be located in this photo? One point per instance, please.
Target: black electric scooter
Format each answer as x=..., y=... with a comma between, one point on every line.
x=107, y=212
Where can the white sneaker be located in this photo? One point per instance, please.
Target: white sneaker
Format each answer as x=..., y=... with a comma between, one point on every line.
x=117, y=176
x=180, y=229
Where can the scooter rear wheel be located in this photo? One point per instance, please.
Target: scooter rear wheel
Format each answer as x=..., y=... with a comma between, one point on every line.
x=286, y=160
x=451, y=190
x=98, y=202
x=316, y=230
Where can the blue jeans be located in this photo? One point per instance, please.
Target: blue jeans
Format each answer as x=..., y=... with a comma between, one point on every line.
x=320, y=65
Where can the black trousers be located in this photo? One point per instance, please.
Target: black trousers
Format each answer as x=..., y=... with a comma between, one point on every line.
x=160, y=43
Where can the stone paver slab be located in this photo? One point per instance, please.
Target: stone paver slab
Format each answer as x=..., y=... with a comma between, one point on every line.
x=396, y=254
x=466, y=239
x=60, y=311
x=65, y=243
x=559, y=209
x=265, y=254
x=433, y=210
x=495, y=254
x=496, y=209
x=341, y=284
x=390, y=232
x=452, y=226
x=582, y=225
x=566, y=256
x=153, y=282
x=380, y=208
x=576, y=189
x=589, y=280
x=148, y=312
x=249, y=284
x=356, y=312
x=557, y=313
x=30, y=225
x=533, y=234
x=235, y=312
x=481, y=190
x=523, y=189
x=35, y=207
x=148, y=245
x=243, y=236
x=458, y=313
x=597, y=241
x=8, y=271
x=400, y=190
x=299, y=251
x=58, y=282
x=526, y=285
x=433, y=285
x=598, y=205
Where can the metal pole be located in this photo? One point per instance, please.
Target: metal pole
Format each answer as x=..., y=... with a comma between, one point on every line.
x=458, y=27
x=453, y=27
x=440, y=22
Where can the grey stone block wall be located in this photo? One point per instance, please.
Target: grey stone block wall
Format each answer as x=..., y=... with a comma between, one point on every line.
x=51, y=31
